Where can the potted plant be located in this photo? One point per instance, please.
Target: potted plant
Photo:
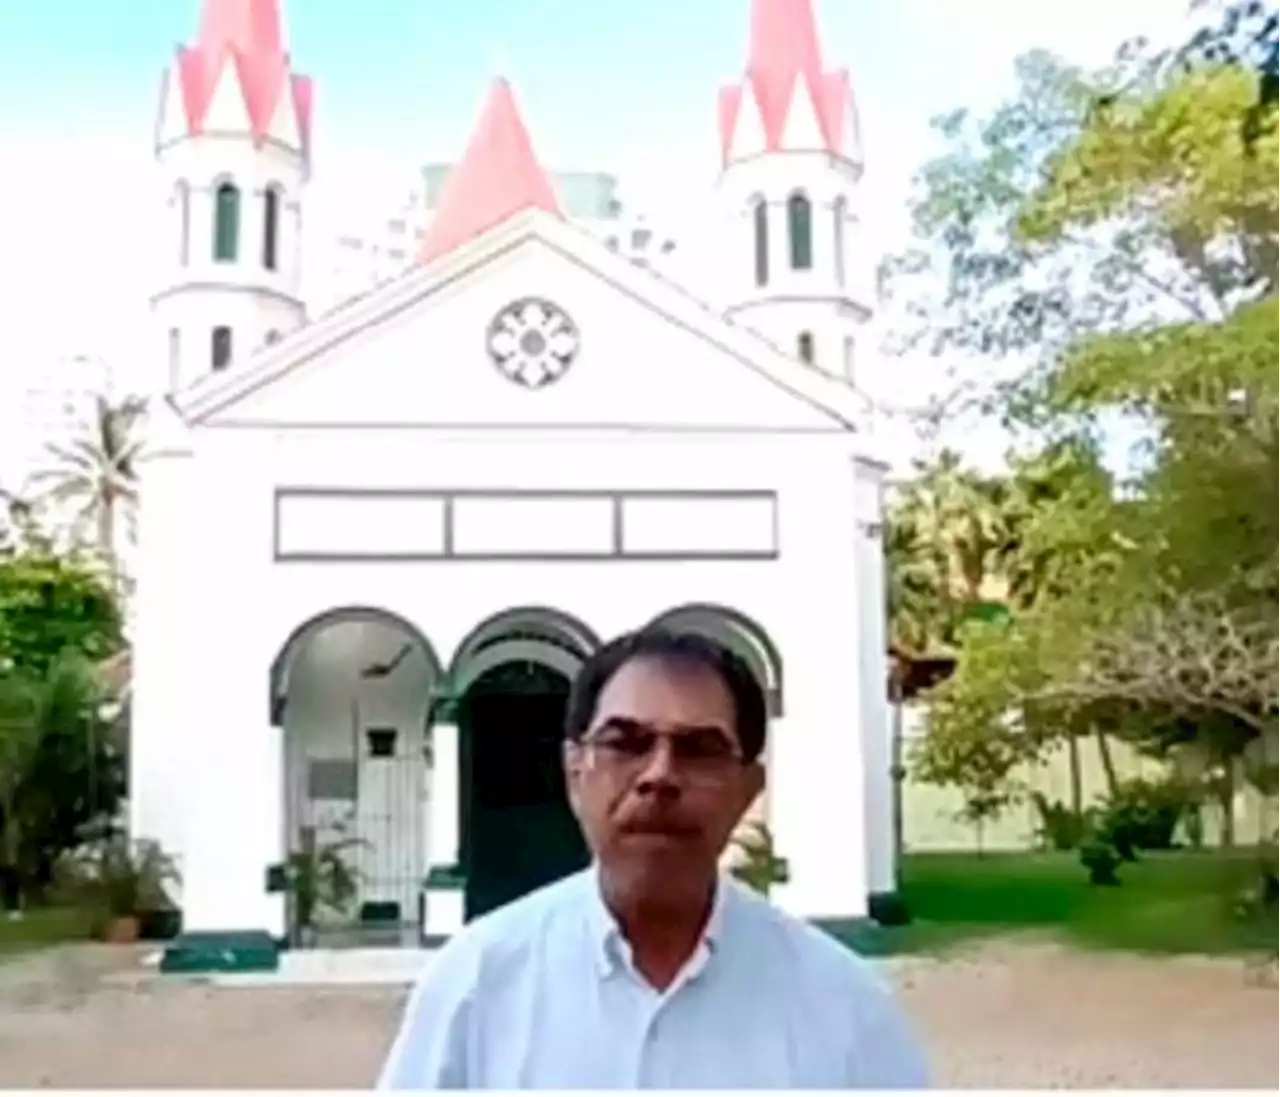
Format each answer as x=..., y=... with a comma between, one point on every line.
x=318, y=877
x=126, y=879
x=757, y=863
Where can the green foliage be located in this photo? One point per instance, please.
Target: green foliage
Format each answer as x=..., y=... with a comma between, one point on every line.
x=1061, y=826
x=321, y=879
x=59, y=768
x=1144, y=814
x=760, y=867
x=1101, y=857
x=119, y=878
x=49, y=604
x=1120, y=227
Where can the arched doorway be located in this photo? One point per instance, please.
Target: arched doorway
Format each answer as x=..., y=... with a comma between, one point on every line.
x=736, y=631
x=351, y=690
x=512, y=677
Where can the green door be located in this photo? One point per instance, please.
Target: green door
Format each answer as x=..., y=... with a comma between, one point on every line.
x=517, y=830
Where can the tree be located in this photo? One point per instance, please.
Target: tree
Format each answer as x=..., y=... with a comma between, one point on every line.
x=1120, y=229
x=42, y=716
x=57, y=619
x=98, y=474
x=49, y=604
x=970, y=285
x=946, y=536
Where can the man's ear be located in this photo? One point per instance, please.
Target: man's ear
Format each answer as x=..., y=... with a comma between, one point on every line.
x=571, y=758
x=753, y=783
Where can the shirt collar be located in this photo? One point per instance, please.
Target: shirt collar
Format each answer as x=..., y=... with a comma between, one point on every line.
x=610, y=947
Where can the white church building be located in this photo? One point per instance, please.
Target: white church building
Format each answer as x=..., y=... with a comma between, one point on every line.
x=383, y=539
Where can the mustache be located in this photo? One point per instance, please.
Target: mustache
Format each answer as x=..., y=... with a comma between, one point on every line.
x=658, y=823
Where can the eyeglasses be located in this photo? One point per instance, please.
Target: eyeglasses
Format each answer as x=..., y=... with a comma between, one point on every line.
x=700, y=754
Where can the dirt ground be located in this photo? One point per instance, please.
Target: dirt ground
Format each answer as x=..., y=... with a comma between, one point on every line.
x=1004, y=1016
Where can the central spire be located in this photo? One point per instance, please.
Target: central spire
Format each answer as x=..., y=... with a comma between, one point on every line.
x=498, y=177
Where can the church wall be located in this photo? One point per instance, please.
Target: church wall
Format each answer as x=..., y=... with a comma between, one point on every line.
x=806, y=600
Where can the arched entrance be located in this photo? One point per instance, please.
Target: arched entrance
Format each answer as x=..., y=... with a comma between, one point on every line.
x=351, y=690
x=511, y=677
x=737, y=631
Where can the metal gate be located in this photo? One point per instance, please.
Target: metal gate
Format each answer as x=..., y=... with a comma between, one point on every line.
x=357, y=834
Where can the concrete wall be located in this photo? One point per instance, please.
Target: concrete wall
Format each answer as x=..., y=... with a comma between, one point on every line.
x=930, y=821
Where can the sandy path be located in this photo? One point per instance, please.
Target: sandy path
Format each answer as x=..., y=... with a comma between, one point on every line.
x=1005, y=1016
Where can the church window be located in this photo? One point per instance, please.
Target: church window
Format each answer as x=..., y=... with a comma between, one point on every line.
x=382, y=742
x=182, y=198
x=760, y=225
x=800, y=231
x=840, y=212
x=226, y=223
x=804, y=347
x=221, y=347
x=175, y=359
x=270, y=227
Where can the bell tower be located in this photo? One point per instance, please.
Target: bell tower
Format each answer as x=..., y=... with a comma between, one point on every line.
x=789, y=191
x=233, y=143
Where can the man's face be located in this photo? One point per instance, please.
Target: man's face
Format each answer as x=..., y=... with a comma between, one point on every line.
x=658, y=782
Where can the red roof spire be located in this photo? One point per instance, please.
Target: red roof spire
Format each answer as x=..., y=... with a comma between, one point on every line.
x=498, y=177
x=245, y=33
x=784, y=57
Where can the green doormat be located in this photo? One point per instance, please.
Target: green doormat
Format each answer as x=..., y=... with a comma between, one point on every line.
x=225, y=951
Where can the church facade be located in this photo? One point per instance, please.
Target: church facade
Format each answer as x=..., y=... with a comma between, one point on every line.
x=382, y=540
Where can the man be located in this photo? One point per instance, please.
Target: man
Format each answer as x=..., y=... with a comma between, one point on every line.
x=650, y=970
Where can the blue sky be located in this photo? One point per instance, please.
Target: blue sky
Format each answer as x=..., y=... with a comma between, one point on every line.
x=623, y=85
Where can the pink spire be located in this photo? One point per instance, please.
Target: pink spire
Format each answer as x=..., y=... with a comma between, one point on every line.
x=783, y=57
x=498, y=177
x=784, y=38
x=250, y=26
x=246, y=33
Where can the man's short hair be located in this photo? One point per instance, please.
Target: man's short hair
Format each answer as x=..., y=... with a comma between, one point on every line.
x=679, y=649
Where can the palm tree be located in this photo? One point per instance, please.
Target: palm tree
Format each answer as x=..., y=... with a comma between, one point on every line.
x=15, y=518
x=947, y=536
x=98, y=474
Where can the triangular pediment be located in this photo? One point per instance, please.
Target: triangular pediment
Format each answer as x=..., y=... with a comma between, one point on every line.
x=468, y=340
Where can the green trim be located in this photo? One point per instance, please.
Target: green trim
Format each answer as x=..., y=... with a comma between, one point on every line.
x=445, y=878
x=444, y=710
x=379, y=913
x=221, y=951
x=862, y=935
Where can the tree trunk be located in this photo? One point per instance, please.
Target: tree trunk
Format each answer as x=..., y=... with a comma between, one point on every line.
x=898, y=775
x=1227, y=802
x=10, y=882
x=107, y=537
x=1077, y=777
x=1108, y=762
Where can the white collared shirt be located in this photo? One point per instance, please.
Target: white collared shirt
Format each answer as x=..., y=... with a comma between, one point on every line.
x=541, y=994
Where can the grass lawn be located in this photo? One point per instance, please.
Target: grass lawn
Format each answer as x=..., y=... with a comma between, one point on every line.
x=1176, y=902
x=41, y=927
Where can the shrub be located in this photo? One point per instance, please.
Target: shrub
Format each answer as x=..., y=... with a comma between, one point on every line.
x=888, y=908
x=1102, y=860
x=1144, y=814
x=1060, y=827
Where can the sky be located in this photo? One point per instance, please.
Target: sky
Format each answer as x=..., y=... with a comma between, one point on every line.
x=626, y=86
